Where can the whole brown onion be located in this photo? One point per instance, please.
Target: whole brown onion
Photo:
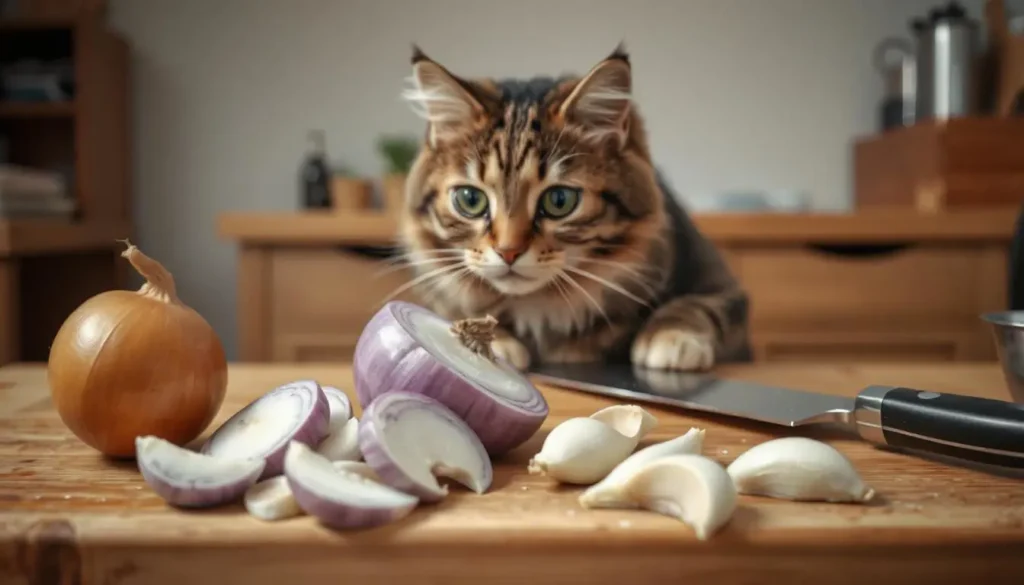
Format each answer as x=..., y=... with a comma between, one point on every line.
x=133, y=363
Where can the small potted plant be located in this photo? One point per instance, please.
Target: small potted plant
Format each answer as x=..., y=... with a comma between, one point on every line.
x=399, y=152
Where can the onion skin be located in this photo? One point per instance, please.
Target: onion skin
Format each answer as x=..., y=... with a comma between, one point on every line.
x=387, y=358
x=126, y=364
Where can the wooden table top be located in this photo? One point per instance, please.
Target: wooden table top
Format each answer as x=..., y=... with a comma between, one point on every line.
x=67, y=515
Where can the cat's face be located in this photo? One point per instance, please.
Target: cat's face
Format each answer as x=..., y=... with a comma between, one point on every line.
x=531, y=188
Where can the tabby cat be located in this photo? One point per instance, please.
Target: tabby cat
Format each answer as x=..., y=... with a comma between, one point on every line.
x=536, y=201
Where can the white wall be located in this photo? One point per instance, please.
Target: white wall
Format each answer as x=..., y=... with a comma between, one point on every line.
x=737, y=94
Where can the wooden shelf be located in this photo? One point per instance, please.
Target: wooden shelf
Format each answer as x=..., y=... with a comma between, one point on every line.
x=880, y=227
x=14, y=110
x=21, y=237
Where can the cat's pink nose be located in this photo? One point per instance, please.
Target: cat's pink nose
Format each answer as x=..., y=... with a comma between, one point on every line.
x=510, y=254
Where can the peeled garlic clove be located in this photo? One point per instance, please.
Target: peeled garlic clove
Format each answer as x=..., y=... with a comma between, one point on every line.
x=798, y=468
x=691, y=488
x=610, y=492
x=629, y=419
x=581, y=450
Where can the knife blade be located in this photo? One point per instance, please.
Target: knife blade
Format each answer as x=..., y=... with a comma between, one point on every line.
x=978, y=430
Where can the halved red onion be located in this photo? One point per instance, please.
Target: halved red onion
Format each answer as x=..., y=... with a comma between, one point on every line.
x=408, y=348
x=342, y=442
x=272, y=499
x=340, y=405
x=411, y=439
x=338, y=498
x=297, y=411
x=192, y=480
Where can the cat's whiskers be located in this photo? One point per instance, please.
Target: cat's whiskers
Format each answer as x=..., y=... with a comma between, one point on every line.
x=628, y=270
x=439, y=253
x=558, y=286
x=413, y=264
x=433, y=274
x=611, y=285
x=597, y=306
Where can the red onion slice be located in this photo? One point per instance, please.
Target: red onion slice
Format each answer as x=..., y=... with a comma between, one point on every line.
x=341, y=499
x=272, y=499
x=297, y=411
x=408, y=348
x=340, y=405
x=410, y=439
x=188, y=479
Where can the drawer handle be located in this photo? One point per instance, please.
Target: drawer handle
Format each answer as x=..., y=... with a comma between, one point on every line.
x=858, y=250
x=378, y=252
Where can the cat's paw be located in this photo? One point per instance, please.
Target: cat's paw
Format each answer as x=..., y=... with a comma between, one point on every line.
x=674, y=349
x=511, y=350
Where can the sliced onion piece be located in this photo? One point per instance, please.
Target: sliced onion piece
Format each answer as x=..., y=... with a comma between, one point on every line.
x=342, y=443
x=297, y=411
x=341, y=499
x=188, y=479
x=340, y=405
x=272, y=499
x=408, y=348
x=410, y=439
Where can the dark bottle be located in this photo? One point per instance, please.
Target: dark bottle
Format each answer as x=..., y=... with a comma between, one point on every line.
x=315, y=176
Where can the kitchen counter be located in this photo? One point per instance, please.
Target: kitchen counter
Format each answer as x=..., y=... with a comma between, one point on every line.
x=69, y=516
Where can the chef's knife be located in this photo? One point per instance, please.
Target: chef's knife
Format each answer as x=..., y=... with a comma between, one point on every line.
x=977, y=430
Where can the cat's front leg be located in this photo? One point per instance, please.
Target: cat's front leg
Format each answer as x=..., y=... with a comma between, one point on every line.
x=692, y=333
x=507, y=347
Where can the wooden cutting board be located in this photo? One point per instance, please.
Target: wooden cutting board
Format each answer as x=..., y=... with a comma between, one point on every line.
x=69, y=516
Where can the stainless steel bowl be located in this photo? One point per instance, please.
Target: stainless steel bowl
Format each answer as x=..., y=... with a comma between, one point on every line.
x=1008, y=329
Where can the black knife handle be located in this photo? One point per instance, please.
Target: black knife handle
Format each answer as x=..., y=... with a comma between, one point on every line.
x=979, y=430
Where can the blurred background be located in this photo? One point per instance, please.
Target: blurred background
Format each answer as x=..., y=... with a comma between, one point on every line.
x=861, y=172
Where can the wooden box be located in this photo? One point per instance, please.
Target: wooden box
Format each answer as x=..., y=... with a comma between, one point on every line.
x=936, y=166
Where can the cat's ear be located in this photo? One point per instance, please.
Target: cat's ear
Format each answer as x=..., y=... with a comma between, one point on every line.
x=447, y=103
x=600, y=102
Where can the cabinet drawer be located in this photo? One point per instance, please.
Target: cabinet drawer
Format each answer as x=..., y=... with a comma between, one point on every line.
x=885, y=288
x=322, y=294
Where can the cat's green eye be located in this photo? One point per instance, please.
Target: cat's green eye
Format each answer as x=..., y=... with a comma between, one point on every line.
x=469, y=201
x=559, y=201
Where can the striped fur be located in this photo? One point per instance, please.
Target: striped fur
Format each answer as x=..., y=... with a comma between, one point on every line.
x=625, y=275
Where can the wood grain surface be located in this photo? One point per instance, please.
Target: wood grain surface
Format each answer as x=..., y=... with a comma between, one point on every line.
x=69, y=516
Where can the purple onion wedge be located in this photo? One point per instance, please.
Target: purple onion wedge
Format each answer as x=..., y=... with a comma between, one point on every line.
x=340, y=405
x=408, y=348
x=272, y=499
x=188, y=479
x=297, y=411
x=411, y=439
x=341, y=499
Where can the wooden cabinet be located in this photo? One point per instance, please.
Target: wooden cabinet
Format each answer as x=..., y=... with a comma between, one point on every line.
x=823, y=288
x=51, y=264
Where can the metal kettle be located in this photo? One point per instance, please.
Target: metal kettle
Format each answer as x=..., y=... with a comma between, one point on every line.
x=947, y=63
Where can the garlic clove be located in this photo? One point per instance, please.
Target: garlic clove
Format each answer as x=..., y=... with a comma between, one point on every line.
x=628, y=419
x=581, y=450
x=610, y=491
x=693, y=489
x=798, y=468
